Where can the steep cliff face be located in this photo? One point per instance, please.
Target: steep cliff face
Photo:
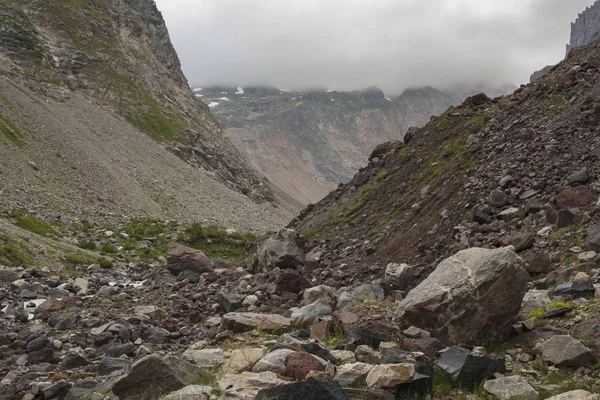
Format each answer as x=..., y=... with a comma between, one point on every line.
x=307, y=142
x=586, y=27
x=118, y=53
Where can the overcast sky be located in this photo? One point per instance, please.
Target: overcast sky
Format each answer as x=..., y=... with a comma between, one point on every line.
x=352, y=44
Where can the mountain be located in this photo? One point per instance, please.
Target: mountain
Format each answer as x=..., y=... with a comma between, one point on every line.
x=586, y=27
x=307, y=142
x=584, y=30
x=480, y=174
x=98, y=120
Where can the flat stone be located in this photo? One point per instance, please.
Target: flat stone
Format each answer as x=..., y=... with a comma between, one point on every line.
x=206, y=358
x=575, y=395
x=390, y=375
x=564, y=351
x=243, y=359
x=192, y=392
x=240, y=322
x=247, y=384
x=274, y=361
x=309, y=390
x=511, y=387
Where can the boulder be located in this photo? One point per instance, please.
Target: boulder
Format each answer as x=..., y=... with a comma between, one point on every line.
x=108, y=365
x=299, y=364
x=511, y=387
x=247, y=384
x=399, y=275
x=575, y=290
x=148, y=377
x=291, y=281
x=309, y=315
x=354, y=374
x=274, y=361
x=240, y=322
x=368, y=292
x=468, y=369
x=539, y=263
x=192, y=392
x=243, y=359
x=230, y=302
x=322, y=292
x=386, y=376
x=419, y=388
x=206, y=358
x=534, y=300
x=470, y=297
x=575, y=395
x=283, y=250
x=564, y=351
x=497, y=198
x=181, y=258
x=57, y=391
x=581, y=176
x=592, y=241
x=309, y=390
x=383, y=149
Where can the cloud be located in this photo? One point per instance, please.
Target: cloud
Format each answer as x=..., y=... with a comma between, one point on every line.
x=352, y=44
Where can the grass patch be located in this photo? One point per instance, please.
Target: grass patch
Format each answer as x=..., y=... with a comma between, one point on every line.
x=539, y=313
x=35, y=225
x=442, y=383
x=11, y=132
x=216, y=242
x=14, y=253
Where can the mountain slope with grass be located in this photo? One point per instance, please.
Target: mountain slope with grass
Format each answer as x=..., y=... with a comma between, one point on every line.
x=97, y=119
x=307, y=142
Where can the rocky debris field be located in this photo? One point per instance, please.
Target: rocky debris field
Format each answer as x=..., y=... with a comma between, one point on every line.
x=275, y=325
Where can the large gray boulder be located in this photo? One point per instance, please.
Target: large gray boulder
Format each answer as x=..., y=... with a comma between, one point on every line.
x=564, y=351
x=470, y=298
x=511, y=387
x=283, y=250
x=181, y=258
x=149, y=376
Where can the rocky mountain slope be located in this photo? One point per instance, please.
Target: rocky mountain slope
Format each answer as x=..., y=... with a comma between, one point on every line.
x=97, y=119
x=462, y=264
x=307, y=142
x=585, y=29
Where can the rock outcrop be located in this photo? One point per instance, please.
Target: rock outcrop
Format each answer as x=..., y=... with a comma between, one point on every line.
x=470, y=298
x=586, y=27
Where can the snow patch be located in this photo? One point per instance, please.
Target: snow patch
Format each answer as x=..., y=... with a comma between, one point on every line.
x=213, y=104
x=223, y=99
x=199, y=95
x=388, y=99
x=224, y=93
x=240, y=90
x=197, y=89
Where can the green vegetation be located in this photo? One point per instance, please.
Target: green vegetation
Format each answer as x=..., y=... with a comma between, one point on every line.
x=35, y=225
x=11, y=132
x=146, y=228
x=539, y=313
x=216, y=242
x=14, y=253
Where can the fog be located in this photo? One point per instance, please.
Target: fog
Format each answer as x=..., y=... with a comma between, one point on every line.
x=353, y=44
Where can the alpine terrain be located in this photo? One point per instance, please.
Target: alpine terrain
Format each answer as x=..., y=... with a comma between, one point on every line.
x=141, y=257
x=307, y=142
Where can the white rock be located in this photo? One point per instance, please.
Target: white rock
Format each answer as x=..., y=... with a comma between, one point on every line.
x=344, y=356
x=352, y=374
x=192, y=392
x=575, y=395
x=273, y=362
x=243, y=359
x=206, y=357
x=322, y=292
x=511, y=387
x=390, y=375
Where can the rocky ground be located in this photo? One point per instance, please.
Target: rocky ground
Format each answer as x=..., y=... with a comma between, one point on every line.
x=279, y=325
